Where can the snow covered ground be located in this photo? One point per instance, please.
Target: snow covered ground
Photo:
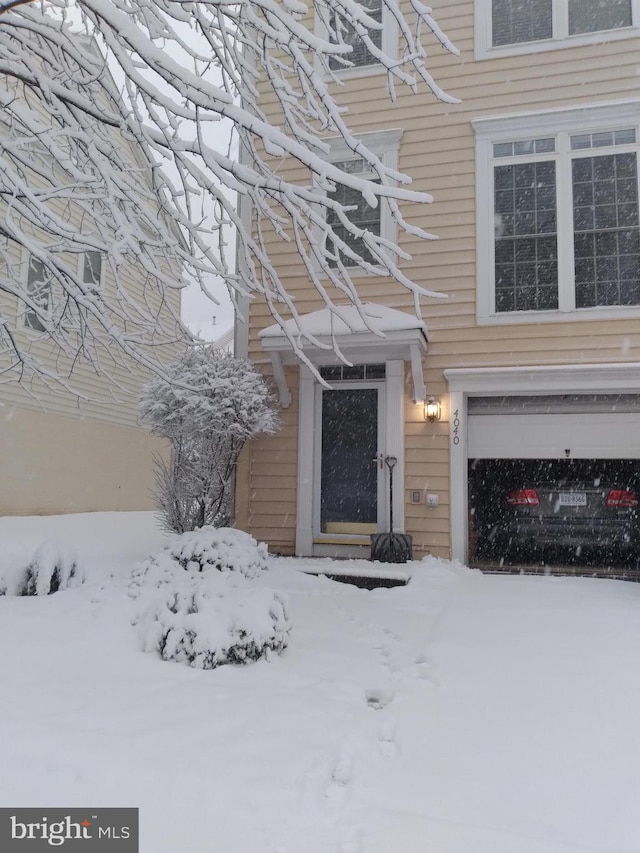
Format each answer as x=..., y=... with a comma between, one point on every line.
x=463, y=713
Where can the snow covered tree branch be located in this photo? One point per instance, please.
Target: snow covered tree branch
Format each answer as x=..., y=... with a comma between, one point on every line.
x=112, y=114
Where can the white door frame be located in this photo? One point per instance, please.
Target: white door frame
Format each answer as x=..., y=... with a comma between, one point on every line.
x=381, y=481
x=392, y=427
x=515, y=381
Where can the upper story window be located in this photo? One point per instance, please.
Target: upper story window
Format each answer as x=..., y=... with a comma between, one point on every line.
x=563, y=231
x=361, y=214
x=360, y=55
x=516, y=26
x=361, y=59
x=376, y=220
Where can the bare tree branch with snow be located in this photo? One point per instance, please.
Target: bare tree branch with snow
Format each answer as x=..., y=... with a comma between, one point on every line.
x=108, y=148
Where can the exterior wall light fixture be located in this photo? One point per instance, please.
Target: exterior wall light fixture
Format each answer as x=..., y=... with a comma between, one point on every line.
x=432, y=410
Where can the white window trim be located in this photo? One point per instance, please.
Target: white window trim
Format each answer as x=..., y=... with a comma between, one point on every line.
x=385, y=144
x=587, y=118
x=561, y=39
x=389, y=45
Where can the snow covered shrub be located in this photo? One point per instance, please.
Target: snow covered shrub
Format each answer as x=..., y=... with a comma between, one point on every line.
x=202, y=603
x=210, y=620
x=209, y=405
x=222, y=548
x=53, y=567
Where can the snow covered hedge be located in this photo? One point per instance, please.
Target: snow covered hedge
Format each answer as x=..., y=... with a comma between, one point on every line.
x=223, y=548
x=202, y=603
x=53, y=567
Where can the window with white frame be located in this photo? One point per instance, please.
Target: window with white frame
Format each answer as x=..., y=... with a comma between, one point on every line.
x=360, y=59
x=361, y=213
x=525, y=24
x=91, y=269
x=376, y=220
x=564, y=214
x=360, y=55
x=39, y=291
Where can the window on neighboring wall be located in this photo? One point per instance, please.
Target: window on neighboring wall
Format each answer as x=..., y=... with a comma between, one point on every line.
x=39, y=291
x=92, y=269
x=513, y=23
x=566, y=223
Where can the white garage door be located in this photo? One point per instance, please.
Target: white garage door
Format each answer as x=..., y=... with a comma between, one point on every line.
x=554, y=427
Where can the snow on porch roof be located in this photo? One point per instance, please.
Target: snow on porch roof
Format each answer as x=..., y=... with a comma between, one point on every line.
x=391, y=334
x=326, y=322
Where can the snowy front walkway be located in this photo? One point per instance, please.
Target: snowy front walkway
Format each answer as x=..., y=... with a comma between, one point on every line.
x=463, y=713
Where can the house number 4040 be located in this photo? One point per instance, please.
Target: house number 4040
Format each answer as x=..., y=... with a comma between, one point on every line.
x=456, y=427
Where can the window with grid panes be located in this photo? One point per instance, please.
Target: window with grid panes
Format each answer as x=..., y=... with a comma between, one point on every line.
x=588, y=257
x=361, y=214
x=360, y=55
x=516, y=22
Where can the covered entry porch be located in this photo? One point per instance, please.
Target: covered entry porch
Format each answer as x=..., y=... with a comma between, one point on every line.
x=351, y=399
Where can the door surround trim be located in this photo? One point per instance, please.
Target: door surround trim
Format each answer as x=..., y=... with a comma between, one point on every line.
x=393, y=417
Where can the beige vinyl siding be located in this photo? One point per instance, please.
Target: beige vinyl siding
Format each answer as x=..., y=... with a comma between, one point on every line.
x=266, y=482
x=438, y=150
x=111, y=396
x=53, y=464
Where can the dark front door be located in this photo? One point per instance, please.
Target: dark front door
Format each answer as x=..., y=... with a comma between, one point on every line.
x=349, y=471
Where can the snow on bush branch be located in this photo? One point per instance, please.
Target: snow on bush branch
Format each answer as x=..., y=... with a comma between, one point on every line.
x=201, y=601
x=109, y=144
x=52, y=568
x=208, y=406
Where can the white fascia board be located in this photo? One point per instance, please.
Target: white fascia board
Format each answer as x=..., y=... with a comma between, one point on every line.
x=364, y=347
x=378, y=141
x=284, y=394
x=419, y=388
x=539, y=122
x=563, y=379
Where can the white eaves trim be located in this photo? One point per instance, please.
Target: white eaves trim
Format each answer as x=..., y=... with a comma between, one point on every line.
x=379, y=141
x=558, y=379
x=586, y=117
